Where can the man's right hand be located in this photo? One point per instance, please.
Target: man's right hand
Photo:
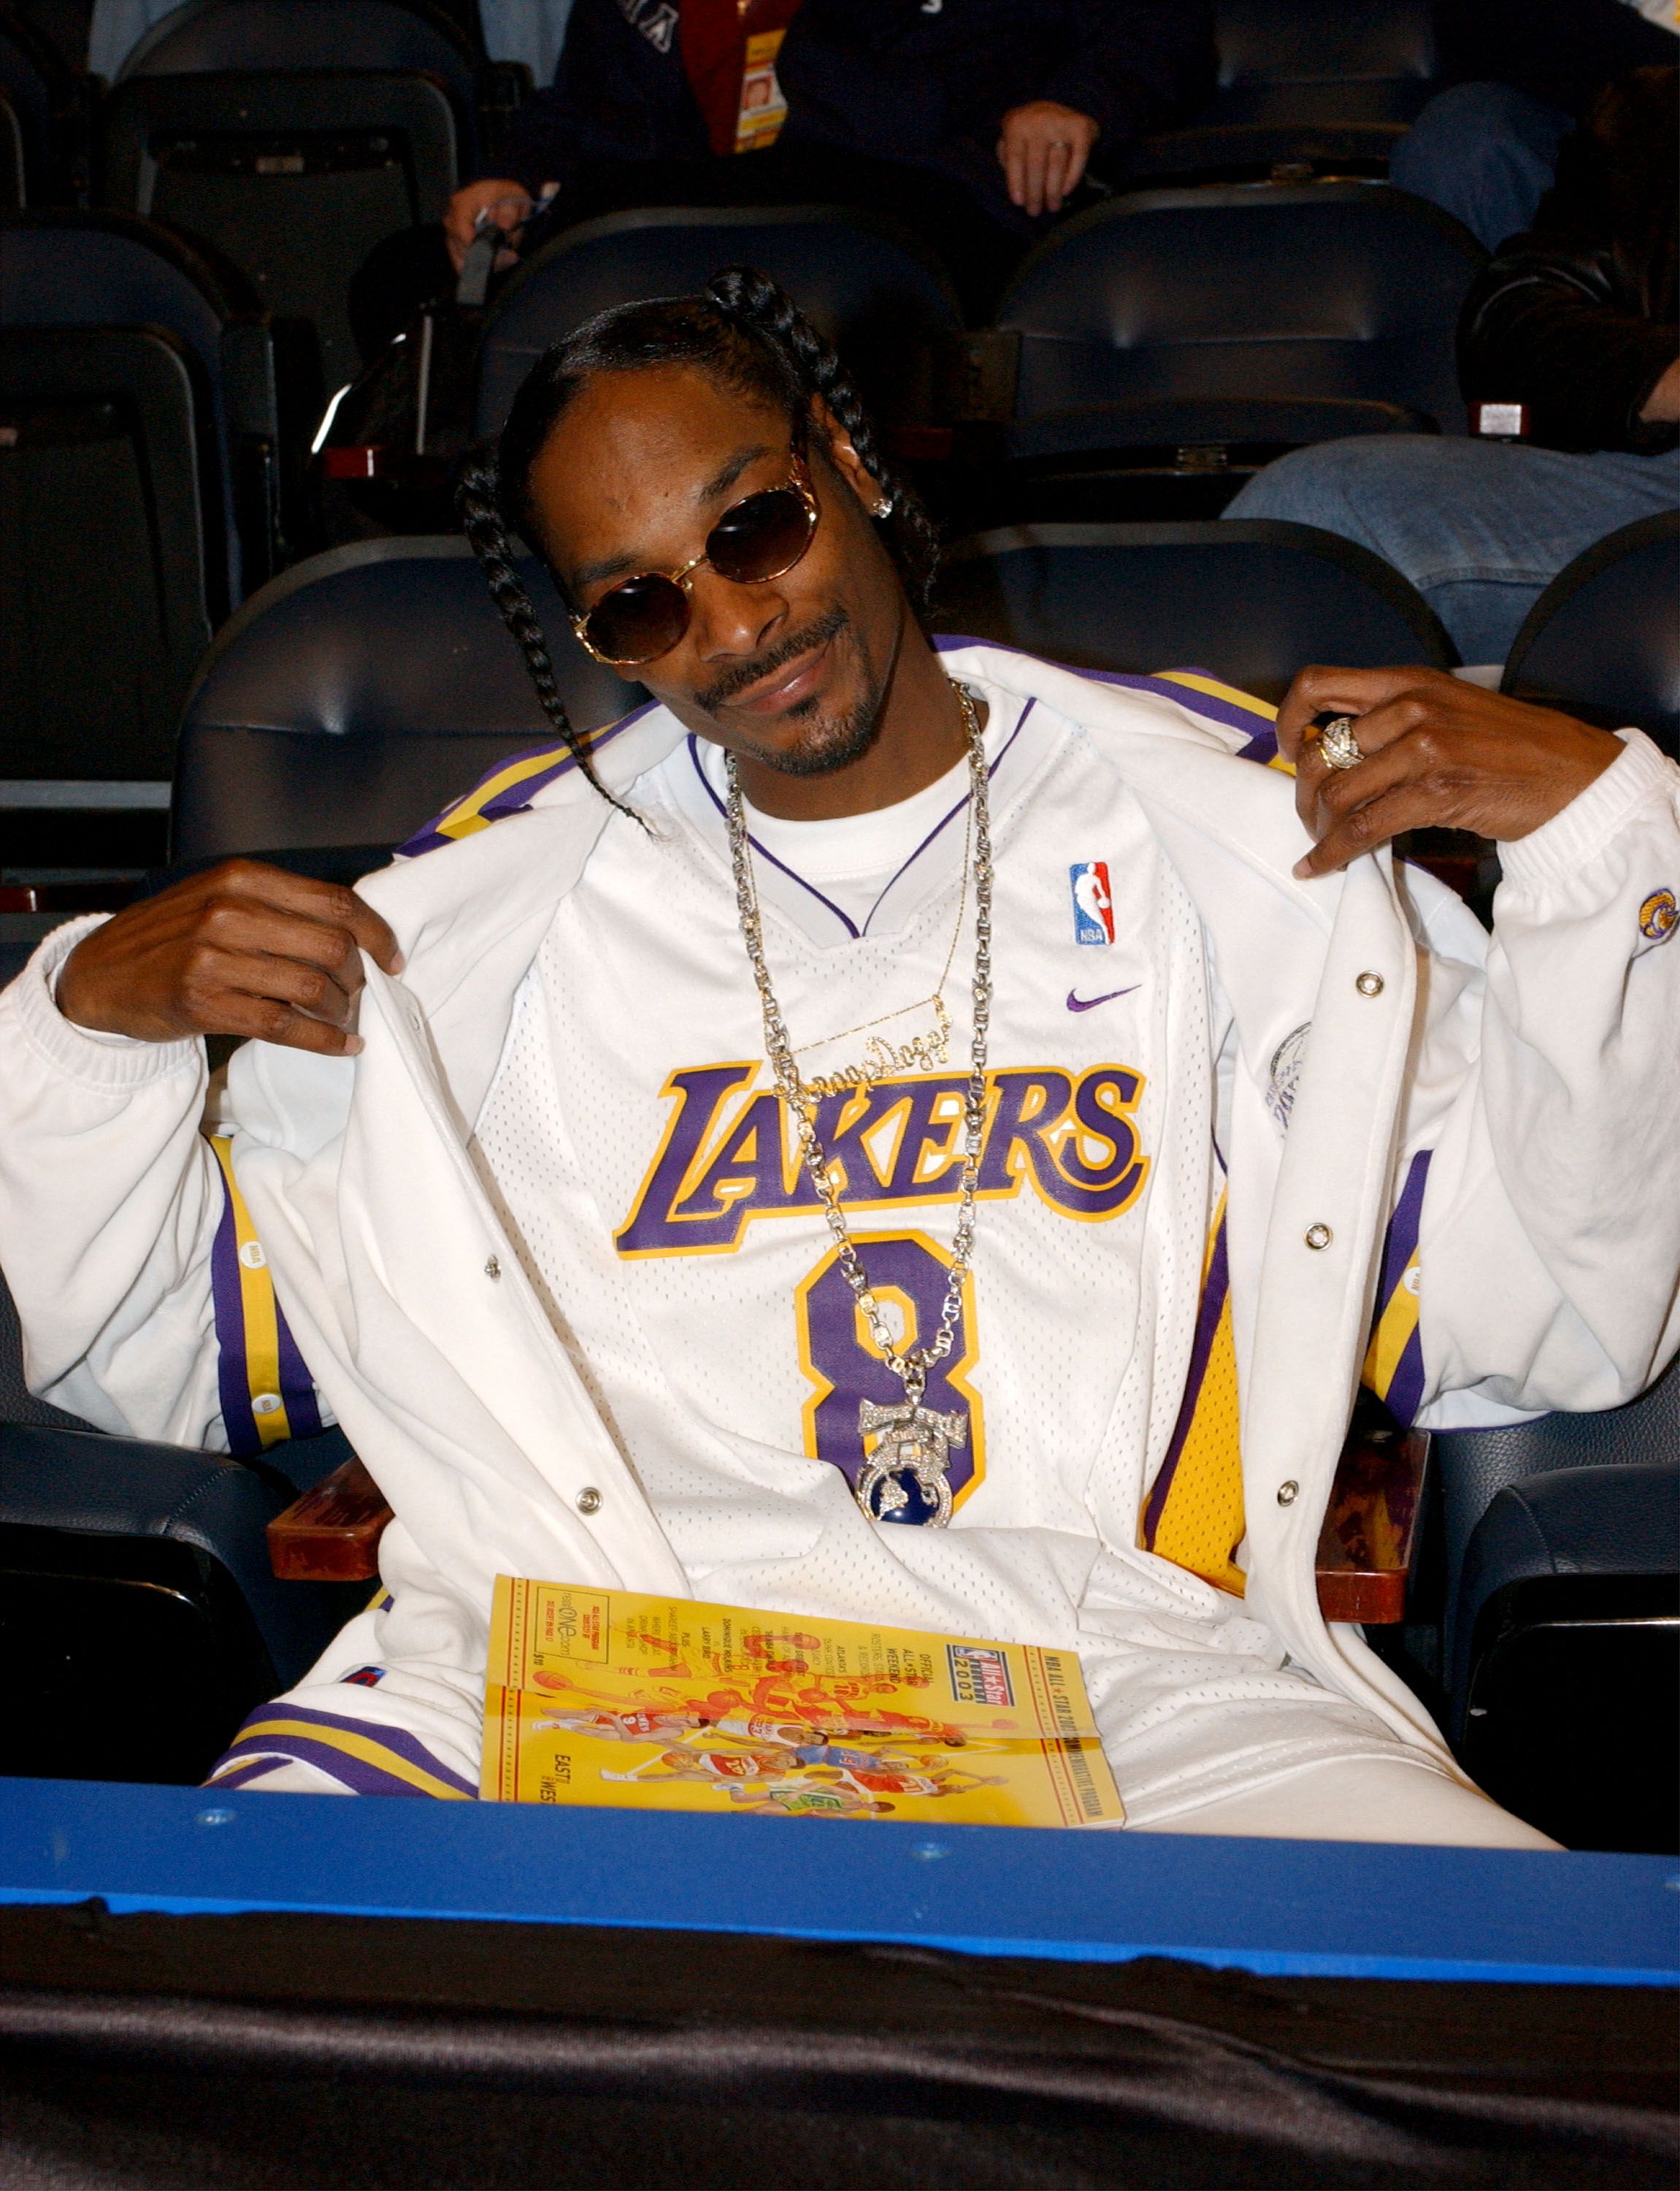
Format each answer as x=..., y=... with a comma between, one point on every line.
x=509, y=204
x=241, y=949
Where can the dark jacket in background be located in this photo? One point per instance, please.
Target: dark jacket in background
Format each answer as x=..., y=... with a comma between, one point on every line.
x=1560, y=52
x=888, y=78
x=1577, y=318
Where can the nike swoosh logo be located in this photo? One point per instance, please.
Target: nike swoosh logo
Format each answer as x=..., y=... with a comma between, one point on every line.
x=1090, y=1003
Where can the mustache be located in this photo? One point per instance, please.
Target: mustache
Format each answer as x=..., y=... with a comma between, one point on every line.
x=723, y=689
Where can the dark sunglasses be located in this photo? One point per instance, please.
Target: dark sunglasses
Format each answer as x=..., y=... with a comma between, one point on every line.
x=755, y=538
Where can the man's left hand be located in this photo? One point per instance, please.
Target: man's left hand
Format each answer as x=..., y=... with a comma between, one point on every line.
x=1043, y=151
x=1439, y=754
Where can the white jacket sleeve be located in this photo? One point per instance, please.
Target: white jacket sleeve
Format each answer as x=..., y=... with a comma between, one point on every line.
x=1534, y=1262
x=110, y=1201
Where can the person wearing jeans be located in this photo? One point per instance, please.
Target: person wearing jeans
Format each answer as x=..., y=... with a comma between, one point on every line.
x=1575, y=322
x=1521, y=74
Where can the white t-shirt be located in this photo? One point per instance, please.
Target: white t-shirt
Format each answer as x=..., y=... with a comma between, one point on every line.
x=853, y=857
x=652, y=1186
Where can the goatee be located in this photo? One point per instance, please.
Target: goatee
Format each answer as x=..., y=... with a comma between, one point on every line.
x=828, y=742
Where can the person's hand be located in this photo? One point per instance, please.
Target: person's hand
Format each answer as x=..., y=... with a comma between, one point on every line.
x=1440, y=754
x=1662, y=405
x=241, y=949
x=1043, y=151
x=509, y=206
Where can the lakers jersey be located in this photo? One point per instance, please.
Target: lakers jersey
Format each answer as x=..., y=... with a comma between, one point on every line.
x=652, y=1179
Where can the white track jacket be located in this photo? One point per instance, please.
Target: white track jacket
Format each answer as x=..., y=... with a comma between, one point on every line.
x=1537, y=1069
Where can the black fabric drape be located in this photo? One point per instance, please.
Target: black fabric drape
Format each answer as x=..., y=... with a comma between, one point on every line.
x=291, y=2051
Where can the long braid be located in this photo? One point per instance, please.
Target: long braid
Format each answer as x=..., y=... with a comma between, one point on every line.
x=479, y=500
x=752, y=300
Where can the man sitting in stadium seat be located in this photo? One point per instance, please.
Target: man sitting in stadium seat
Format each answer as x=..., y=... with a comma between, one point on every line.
x=1117, y=1088
x=1521, y=74
x=1573, y=322
x=971, y=122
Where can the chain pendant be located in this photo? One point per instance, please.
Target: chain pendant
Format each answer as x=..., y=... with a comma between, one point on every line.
x=907, y=1478
x=913, y=1442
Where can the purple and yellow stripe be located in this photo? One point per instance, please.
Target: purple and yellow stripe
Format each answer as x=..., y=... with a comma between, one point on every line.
x=368, y=1759
x=1198, y=690
x=1394, y=1362
x=1215, y=702
x=510, y=787
x=267, y=1393
x=1192, y=1514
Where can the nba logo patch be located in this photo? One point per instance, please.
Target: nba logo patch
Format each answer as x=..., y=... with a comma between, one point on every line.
x=1659, y=916
x=1092, y=902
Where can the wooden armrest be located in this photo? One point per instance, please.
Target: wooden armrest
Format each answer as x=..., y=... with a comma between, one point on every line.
x=331, y=1534
x=1369, y=1533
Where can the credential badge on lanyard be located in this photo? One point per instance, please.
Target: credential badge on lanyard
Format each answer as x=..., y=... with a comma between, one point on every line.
x=764, y=107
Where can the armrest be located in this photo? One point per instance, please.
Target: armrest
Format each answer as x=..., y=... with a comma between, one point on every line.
x=87, y=1484
x=332, y=1532
x=1371, y=1527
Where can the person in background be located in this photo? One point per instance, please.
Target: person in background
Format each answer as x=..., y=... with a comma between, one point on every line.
x=1521, y=74
x=971, y=121
x=1575, y=322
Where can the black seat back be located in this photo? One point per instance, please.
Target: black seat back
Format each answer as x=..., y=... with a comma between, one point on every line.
x=1561, y=1637
x=1330, y=289
x=43, y=118
x=361, y=692
x=14, y=184
x=1250, y=603
x=162, y=1546
x=1165, y=457
x=137, y=382
x=295, y=177
x=103, y=549
x=110, y=269
x=871, y=288
x=1322, y=60
x=214, y=37
x=1474, y=1467
x=1603, y=640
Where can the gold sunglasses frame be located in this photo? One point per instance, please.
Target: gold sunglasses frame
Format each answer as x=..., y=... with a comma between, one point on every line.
x=799, y=479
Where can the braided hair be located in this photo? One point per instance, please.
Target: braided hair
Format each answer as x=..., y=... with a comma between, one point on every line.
x=746, y=333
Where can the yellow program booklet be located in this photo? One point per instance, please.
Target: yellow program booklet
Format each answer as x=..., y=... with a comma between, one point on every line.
x=664, y=1704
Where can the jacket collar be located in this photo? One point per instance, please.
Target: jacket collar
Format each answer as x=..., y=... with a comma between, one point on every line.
x=471, y=916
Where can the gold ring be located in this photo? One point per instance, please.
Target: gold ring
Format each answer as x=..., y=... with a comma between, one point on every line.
x=1338, y=745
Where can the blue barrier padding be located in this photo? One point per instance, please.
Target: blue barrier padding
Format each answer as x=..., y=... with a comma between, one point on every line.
x=1284, y=1909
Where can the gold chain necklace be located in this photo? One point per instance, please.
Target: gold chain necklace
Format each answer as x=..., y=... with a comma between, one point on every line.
x=922, y=1053
x=911, y=1440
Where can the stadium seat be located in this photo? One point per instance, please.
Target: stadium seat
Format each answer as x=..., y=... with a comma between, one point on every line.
x=1304, y=85
x=43, y=119
x=1322, y=60
x=1161, y=457
x=140, y=1571
x=1251, y=603
x=294, y=135
x=13, y=189
x=139, y=389
x=1561, y=1641
x=1603, y=640
x=1345, y=290
x=360, y=692
x=873, y=291
x=209, y=38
